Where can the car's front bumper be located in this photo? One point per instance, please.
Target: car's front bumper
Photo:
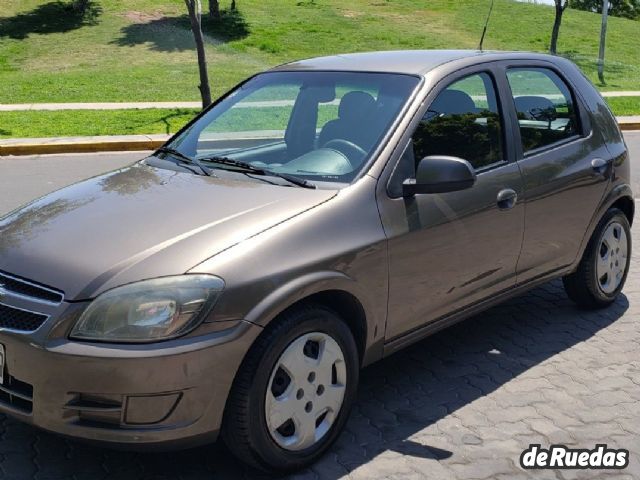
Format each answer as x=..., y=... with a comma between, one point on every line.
x=170, y=394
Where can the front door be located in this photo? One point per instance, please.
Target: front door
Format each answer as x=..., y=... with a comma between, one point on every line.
x=447, y=251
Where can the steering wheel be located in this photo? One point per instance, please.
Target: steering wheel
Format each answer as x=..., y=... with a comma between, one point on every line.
x=353, y=152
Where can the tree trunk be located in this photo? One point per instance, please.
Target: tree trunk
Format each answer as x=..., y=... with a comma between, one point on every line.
x=214, y=9
x=195, y=13
x=560, y=7
x=603, y=38
x=80, y=5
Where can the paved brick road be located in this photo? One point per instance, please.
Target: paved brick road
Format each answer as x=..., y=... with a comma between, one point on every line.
x=462, y=404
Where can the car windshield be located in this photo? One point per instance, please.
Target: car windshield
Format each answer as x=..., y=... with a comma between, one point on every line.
x=319, y=126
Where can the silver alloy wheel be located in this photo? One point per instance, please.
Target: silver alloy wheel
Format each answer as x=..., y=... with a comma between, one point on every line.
x=611, y=261
x=305, y=391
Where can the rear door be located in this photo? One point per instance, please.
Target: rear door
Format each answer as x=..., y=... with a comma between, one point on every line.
x=564, y=165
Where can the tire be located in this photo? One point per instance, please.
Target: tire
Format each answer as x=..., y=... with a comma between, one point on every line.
x=589, y=286
x=260, y=388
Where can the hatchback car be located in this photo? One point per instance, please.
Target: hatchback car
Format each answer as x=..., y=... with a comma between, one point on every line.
x=315, y=219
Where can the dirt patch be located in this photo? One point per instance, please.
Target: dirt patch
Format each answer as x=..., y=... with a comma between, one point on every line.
x=143, y=17
x=351, y=14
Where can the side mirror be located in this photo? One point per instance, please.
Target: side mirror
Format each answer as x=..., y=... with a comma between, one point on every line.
x=440, y=174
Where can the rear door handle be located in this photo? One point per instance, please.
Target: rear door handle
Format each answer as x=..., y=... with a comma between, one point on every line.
x=507, y=198
x=599, y=165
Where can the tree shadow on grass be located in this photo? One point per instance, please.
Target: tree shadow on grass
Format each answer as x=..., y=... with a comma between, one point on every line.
x=52, y=17
x=231, y=26
x=171, y=34
x=166, y=120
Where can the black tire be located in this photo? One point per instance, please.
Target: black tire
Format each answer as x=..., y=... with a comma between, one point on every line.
x=244, y=428
x=583, y=286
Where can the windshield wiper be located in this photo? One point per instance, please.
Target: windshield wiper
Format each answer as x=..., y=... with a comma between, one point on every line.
x=185, y=158
x=247, y=167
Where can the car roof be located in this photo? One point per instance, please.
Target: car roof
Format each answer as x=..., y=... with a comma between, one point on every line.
x=414, y=62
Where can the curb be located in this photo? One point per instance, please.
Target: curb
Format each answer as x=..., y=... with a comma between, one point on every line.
x=629, y=126
x=43, y=146
x=125, y=143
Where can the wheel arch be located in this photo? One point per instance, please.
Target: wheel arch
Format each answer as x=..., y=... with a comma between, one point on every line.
x=627, y=205
x=333, y=290
x=620, y=197
x=348, y=308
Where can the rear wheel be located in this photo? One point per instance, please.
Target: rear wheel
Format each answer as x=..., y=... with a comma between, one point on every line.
x=293, y=393
x=602, y=272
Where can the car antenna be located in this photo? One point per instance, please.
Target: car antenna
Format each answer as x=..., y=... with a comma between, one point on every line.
x=486, y=24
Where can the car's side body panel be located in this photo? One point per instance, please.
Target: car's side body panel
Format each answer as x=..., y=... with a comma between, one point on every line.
x=449, y=250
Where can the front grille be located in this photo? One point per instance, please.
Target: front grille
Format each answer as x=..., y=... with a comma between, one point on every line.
x=16, y=394
x=25, y=288
x=21, y=320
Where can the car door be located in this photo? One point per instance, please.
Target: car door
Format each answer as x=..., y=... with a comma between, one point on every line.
x=563, y=163
x=450, y=250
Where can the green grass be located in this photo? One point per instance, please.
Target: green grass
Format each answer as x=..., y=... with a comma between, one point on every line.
x=33, y=124
x=121, y=54
x=625, y=105
x=62, y=123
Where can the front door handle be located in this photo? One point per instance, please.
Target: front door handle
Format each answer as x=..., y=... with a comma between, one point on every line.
x=507, y=198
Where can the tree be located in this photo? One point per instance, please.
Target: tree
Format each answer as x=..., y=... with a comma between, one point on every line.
x=561, y=6
x=195, y=16
x=603, y=37
x=617, y=8
x=214, y=9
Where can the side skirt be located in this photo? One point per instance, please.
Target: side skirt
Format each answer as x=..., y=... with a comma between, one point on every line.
x=398, y=343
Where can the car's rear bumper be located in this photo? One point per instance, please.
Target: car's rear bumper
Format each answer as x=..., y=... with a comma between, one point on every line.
x=165, y=395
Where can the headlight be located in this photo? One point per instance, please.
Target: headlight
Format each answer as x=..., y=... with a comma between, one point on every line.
x=150, y=310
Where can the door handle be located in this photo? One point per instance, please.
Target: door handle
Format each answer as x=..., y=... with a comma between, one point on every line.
x=507, y=198
x=600, y=165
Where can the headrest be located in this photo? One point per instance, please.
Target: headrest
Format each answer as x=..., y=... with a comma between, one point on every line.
x=533, y=106
x=452, y=102
x=356, y=105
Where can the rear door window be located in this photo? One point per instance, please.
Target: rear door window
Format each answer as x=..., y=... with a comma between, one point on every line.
x=544, y=105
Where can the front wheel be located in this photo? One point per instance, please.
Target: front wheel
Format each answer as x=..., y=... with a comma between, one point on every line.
x=293, y=393
x=602, y=272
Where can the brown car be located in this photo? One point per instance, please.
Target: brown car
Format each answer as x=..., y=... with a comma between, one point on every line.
x=315, y=219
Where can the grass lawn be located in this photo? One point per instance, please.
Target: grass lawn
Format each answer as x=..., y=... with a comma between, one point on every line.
x=64, y=123
x=125, y=122
x=142, y=50
x=625, y=105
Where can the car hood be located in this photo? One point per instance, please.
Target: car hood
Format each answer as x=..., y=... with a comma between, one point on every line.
x=136, y=223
